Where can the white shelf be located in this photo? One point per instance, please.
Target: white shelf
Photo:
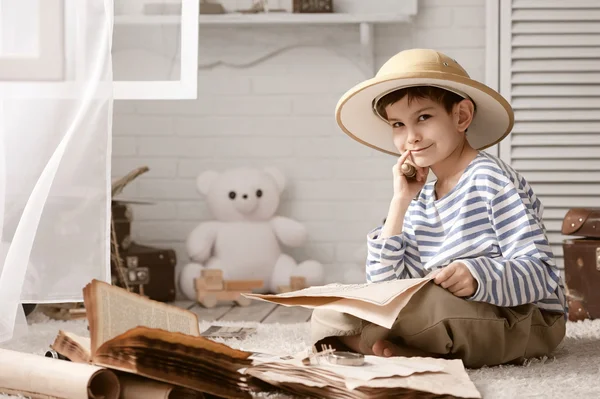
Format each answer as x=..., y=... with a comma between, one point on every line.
x=273, y=18
x=364, y=21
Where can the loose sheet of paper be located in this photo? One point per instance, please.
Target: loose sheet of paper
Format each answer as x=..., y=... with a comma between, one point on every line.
x=379, y=303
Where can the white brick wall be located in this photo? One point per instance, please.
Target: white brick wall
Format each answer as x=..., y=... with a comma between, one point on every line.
x=279, y=111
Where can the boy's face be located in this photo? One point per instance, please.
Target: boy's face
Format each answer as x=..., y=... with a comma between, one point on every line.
x=426, y=129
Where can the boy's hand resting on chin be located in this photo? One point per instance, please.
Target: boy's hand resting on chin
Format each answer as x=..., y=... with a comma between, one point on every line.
x=405, y=188
x=457, y=279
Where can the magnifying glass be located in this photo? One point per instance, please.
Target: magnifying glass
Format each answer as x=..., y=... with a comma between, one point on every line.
x=346, y=358
x=409, y=171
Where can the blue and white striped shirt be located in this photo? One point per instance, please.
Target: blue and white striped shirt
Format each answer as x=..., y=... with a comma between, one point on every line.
x=492, y=222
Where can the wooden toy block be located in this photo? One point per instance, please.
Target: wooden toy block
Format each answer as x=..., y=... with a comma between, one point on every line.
x=211, y=288
x=242, y=285
x=209, y=299
x=283, y=288
x=235, y=296
x=297, y=283
x=200, y=284
x=213, y=279
x=212, y=273
x=214, y=284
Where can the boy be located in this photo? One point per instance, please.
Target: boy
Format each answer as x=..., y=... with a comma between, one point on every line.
x=497, y=296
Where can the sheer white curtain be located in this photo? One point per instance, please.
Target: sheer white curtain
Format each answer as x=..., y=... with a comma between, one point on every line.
x=55, y=143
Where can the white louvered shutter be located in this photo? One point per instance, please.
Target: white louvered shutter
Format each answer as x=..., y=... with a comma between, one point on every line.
x=550, y=72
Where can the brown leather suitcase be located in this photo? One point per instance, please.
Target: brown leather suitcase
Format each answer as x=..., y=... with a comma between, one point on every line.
x=161, y=269
x=150, y=271
x=582, y=262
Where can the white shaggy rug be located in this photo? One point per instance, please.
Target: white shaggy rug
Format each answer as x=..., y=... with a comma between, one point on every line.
x=572, y=372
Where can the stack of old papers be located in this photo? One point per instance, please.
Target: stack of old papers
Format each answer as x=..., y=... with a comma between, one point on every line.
x=378, y=377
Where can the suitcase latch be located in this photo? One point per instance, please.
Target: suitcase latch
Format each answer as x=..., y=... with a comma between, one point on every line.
x=138, y=275
x=132, y=261
x=598, y=258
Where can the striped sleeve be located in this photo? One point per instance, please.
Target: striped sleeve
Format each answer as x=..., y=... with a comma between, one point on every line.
x=394, y=257
x=526, y=271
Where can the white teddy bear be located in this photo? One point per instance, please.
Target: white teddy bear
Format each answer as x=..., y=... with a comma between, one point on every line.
x=244, y=240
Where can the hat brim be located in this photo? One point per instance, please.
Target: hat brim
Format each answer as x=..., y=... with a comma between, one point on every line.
x=493, y=120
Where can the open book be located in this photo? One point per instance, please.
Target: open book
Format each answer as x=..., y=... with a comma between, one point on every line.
x=379, y=303
x=151, y=339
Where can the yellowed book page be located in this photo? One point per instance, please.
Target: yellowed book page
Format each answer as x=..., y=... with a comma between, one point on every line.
x=181, y=344
x=279, y=376
x=38, y=375
x=113, y=310
x=179, y=359
x=82, y=342
x=384, y=315
x=375, y=293
x=379, y=303
x=373, y=367
x=74, y=347
x=134, y=387
x=437, y=376
x=452, y=380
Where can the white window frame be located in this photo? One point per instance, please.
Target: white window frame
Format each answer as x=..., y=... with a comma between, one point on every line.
x=184, y=88
x=49, y=63
x=48, y=76
x=54, y=13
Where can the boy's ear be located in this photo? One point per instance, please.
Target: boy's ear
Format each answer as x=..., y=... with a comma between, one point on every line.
x=465, y=111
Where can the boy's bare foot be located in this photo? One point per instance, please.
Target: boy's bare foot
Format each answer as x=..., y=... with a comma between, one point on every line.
x=381, y=347
x=385, y=348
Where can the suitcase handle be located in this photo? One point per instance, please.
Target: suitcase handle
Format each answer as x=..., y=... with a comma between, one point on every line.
x=584, y=221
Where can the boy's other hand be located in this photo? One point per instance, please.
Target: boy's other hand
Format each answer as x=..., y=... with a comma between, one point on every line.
x=457, y=279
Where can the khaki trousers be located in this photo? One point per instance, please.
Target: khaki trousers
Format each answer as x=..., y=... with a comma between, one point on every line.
x=440, y=324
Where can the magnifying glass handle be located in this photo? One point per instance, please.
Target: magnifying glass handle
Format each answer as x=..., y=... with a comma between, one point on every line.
x=409, y=171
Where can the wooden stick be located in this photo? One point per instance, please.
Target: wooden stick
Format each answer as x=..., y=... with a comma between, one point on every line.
x=117, y=256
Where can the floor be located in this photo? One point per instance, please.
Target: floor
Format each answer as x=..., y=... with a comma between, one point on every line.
x=257, y=311
x=570, y=372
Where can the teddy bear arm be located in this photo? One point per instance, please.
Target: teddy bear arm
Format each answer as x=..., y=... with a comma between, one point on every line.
x=290, y=232
x=201, y=240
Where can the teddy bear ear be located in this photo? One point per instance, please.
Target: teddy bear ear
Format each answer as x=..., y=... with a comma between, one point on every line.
x=278, y=176
x=205, y=181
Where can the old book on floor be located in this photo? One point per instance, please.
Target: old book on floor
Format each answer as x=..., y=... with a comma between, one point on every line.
x=137, y=335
